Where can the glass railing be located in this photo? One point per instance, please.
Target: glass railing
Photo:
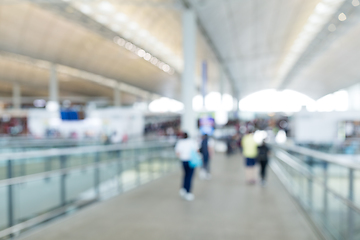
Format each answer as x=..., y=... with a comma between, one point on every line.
x=40, y=185
x=327, y=187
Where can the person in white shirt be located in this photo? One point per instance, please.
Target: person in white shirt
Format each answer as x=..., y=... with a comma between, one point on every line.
x=183, y=150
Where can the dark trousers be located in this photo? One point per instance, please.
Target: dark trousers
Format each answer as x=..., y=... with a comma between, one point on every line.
x=263, y=165
x=206, y=164
x=188, y=173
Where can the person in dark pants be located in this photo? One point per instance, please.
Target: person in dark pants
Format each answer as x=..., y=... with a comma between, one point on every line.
x=263, y=159
x=183, y=150
x=206, y=149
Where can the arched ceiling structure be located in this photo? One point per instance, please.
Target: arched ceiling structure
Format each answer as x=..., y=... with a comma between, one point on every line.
x=250, y=45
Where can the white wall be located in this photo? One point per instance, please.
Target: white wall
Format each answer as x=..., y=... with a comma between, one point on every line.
x=98, y=121
x=319, y=127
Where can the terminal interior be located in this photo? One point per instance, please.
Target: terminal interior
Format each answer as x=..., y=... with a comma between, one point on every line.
x=96, y=94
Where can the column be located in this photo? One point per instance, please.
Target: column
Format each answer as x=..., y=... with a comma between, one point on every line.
x=221, y=85
x=188, y=119
x=53, y=85
x=117, y=96
x=16, y=97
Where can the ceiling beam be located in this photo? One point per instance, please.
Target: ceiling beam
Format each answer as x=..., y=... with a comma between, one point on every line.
x=320, y=43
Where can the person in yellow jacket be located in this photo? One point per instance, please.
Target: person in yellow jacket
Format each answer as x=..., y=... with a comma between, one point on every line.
x=250, y=152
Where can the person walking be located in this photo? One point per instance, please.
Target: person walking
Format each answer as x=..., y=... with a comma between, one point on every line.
x=263, y=156
x=250, y=152
x=183, y=150
x=206, y=149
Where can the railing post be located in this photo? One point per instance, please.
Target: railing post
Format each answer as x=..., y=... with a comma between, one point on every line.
x=119, y=172
x=325, y=197
x=137, y=166
x=97, y=175
x=63, y=180
x=310, y=183
x=350, y=211
x=10, y=194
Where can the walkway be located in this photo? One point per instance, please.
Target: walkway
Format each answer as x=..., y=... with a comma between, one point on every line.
x=224, y=208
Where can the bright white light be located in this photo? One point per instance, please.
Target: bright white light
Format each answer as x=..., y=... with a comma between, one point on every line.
x=115, y=27
x=342, y=17
x=129, y=45
x=165, y=105
x=143, y=33
x=154, y=60
x=260, y=136
x=106, y=7
x=133, y=26
x=198, y=103
x=175, y=106
x=147, y=56
x=86, y=9
x=341, y=100
x=355, y=3
x=52, y=106
x=166, y=68
x=121, y=17
x=227, y=102
x=281, y=137
x=54, y=122
x=274, y=101
x=101, y=19
x=326, y=103
x=213, y=101
x=221, y=117
x=141, y=53
x=121, y=42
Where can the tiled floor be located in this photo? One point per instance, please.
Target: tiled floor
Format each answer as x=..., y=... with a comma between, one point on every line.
x=225, y=208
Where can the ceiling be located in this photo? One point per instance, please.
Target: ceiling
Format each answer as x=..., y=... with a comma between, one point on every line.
x=247, y=45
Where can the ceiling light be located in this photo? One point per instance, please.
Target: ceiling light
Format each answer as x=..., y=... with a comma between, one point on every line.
x=166, y=68
x=115, y=27
x=129, y=45
x=355, y=3
x=147, y=56
x=106, y=7
x=86, y=9
x=332, y=27
x=141, y=53
x=121, y=42
x=143, y=33
x=121, y=17
x=101, y=19
x=342, y=17
x=133, y=26
x=154, y=60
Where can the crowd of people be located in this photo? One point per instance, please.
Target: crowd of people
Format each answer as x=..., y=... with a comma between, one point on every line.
x=186, y=148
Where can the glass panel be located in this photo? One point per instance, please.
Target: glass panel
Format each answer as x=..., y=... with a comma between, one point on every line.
x=144, y=169
x=35, y=197
x=80, y=184
x=3, y=171
x=3, y=207
x=357, y=188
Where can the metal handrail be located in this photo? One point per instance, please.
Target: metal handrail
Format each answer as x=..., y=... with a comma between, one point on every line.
x=335, y=159
x=77, y=150
x=287, y=158
x=154, y=149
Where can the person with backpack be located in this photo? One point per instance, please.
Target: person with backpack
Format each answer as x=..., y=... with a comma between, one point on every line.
x=184, y=149
x=263, y=159
x=206, y=149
